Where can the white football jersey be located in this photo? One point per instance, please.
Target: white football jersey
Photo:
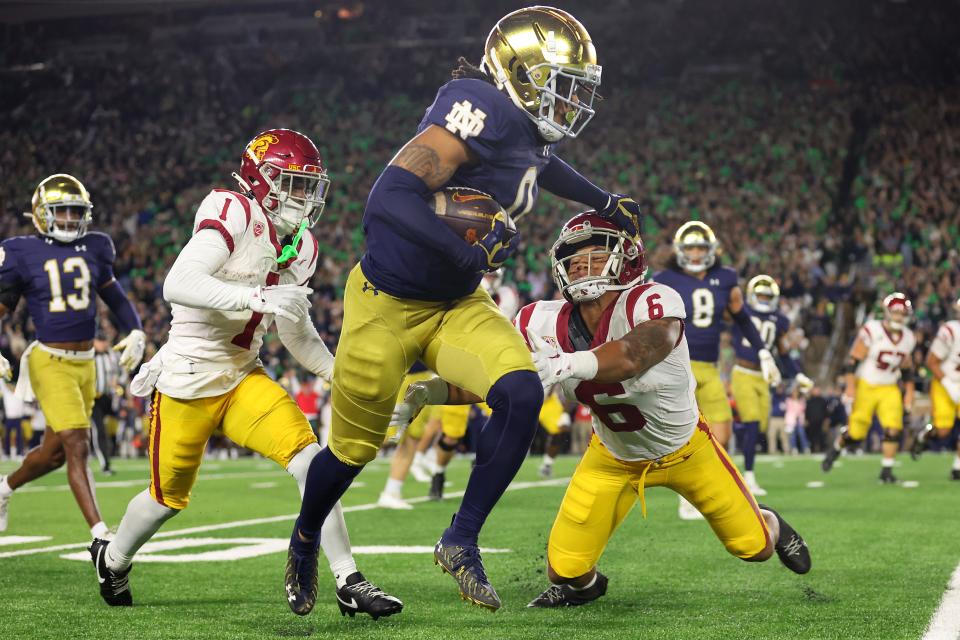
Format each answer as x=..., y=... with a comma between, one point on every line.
x=642, y=418
x=508, y=301
x=222, y=347
x=946, y=346
x=885, y=353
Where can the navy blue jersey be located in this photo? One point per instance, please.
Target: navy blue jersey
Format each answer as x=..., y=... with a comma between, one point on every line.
x=59, y=280
x=510, y=155
x=771, y=327
x=705, y=300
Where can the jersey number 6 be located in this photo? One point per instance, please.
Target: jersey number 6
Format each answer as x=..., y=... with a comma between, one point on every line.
x=605, y=400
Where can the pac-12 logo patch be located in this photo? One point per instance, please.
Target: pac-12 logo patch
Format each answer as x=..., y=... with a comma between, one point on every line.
x=257, y=229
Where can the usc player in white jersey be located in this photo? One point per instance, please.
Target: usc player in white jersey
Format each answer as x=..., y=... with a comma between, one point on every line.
x=943, y=360
x=880, y=356
x=228, y=285
x=618, y=346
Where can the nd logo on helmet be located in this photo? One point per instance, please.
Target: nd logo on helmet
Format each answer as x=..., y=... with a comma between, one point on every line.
x=259, y=146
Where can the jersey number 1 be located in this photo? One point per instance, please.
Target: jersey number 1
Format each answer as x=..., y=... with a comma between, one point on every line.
x=80, y=299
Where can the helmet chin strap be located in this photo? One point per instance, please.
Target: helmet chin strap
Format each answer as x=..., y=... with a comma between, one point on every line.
x=289, y=251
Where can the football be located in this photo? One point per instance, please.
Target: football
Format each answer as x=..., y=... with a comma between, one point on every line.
x=467, y=211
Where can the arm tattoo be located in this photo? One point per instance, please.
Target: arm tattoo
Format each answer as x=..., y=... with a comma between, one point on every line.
x=424, y=162
x=650, y=342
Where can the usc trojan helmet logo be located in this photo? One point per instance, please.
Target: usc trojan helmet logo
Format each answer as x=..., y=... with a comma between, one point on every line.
x=258, y=148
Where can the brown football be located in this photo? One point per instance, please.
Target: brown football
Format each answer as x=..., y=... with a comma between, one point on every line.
x=467, y=211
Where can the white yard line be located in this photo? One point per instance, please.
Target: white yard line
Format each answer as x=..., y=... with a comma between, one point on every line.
x=945, y=623
x=145, y=481
x=516, y=486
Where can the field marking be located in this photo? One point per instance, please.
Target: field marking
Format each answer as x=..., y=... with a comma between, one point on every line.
x=945, y=623
x=516, y=486
x=144, y=482
x=8, y=540
x=242, y=548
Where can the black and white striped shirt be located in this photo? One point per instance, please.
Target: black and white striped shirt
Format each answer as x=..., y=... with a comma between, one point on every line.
x=108, y=370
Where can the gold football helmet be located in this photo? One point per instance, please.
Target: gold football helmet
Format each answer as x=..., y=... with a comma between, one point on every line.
x=61, y=208
x=543, y=56
x=767, y=287
x=695, y=234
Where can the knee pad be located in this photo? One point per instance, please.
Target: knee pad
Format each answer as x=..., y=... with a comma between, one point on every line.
x=518, y=391
x=891, y=435
x=447, y=446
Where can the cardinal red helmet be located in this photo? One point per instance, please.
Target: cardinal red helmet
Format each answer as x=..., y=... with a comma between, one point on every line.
x=625, y=263
x=283, y=170
x=897, y=304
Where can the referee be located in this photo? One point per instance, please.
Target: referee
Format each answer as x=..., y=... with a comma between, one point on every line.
x=108, y=371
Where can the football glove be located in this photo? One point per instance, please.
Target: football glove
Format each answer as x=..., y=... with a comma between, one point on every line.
x=768, y=367
x=804, y=384
x=555, y=366
x=952, y=387
x=493, y=249
x=624, y=212
x=6, y=371
x=419, y=394
x=289, y=301
x=132, y=348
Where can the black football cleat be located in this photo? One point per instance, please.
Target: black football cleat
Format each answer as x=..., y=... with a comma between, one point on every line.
x=563, y=595
x=886, y=475
x=114, y=585
x=436, y=486
x=300, y=580
x=466, y=567
x=790, y=547
x=362, y=596
x=955, y=474
x=920, y=442
x=832, y=454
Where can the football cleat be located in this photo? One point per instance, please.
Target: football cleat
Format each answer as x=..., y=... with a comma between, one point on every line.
x=955, y=474
x=886, y=476
x=300, y=580
x=466, y=567
x=419, y=473
x=832, y=454
x=545, y=471
x=920, y=442
x=436, y=486
x=390, y=501
x=359, y=595
x=687, y=511
x=563, y=595
x=756, y=489
x=114, y=585
x=790, y=547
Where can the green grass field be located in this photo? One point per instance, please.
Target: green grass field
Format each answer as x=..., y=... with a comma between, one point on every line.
x=882, y=557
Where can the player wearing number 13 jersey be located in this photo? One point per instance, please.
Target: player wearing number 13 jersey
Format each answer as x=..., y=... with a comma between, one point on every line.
x=60, y=272
x=229, y=283
x=620, y=348
x=415, y=293
x=881, y=355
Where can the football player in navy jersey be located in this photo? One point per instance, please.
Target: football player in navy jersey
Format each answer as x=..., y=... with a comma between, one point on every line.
x=710, y=290
x=415, y=293
x=59, y=271
x=750, y=390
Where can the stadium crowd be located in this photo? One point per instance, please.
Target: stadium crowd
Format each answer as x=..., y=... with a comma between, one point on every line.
x=842, y=189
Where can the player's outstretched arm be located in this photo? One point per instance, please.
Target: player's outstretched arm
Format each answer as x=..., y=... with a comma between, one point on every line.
x=644, y=346
x=190, y=281
x=304, y=343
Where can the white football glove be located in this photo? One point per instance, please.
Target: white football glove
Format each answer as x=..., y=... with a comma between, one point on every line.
x=132, y=348
x=768, y=367
x=6, y=371
x=804, y=384
x=418, y=395
x=555, y=366
x=952, y=387
x=289, y=301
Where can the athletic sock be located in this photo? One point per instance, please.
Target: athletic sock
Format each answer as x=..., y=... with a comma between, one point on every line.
x=335, y=542
x=5, y=490
x=299, y=465
x=748, y=434
x=548, y=460
x=887, y=463
x=143, y=518
x=327, y=480
x=503, y=444
x=592, y=582
x=956, y=463
x=99, y=530
x=393, y=487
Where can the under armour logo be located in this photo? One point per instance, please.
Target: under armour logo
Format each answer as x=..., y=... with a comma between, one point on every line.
x=714, y=282
x=80, y=247
x=464, y=120
x=369, y=287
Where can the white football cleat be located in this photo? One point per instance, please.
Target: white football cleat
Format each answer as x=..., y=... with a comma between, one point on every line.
x=388, y=501
x=687, y=511
x=419, y=473
x=753, y=485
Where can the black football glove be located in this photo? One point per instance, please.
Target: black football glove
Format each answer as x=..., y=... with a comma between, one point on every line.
x=493, y=249
x=624, y=212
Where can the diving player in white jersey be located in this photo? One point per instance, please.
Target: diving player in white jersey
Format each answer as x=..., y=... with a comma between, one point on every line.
x=881, y=354
x=229, y=283
x=943, y=360
x=618, y=346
